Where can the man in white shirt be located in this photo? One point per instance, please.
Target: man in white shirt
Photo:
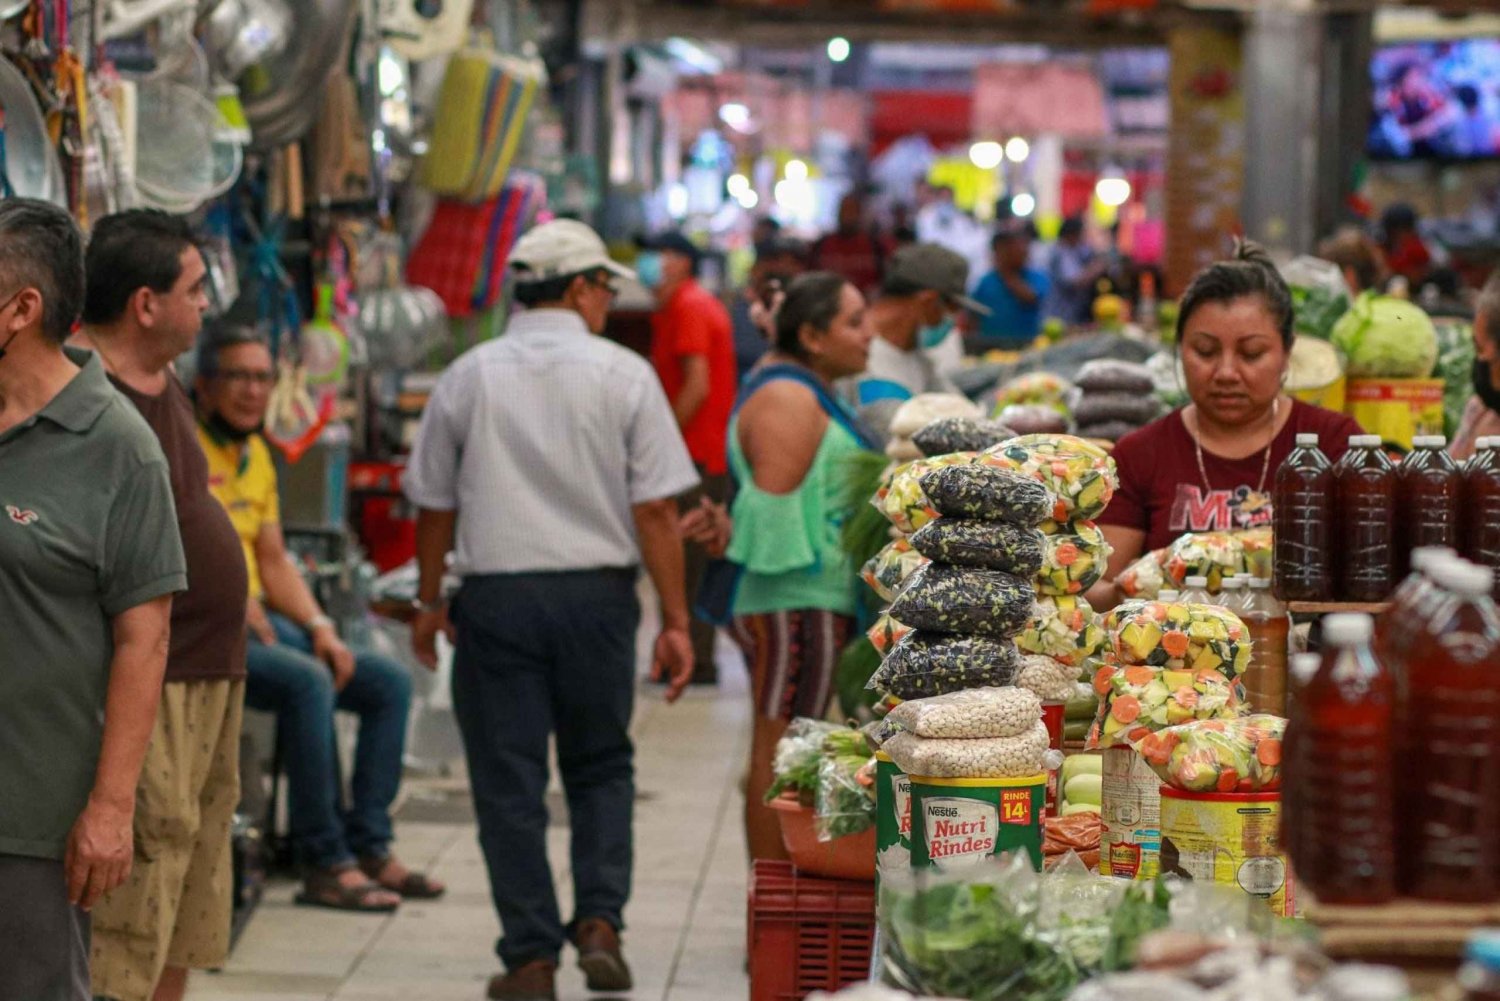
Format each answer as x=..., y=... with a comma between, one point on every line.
x=549, y=460
x=914, y=316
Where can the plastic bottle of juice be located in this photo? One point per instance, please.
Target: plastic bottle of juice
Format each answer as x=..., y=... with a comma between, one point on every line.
x=1303, y=668
x=1195, y=592
x=1411, y=605
x=1270, y=625
x=1339, y=773
x=1429, y=497
x=1481, y=506
x=1231, y=595
x=1303, y=512
x=1451, y=713
x=1365, y=515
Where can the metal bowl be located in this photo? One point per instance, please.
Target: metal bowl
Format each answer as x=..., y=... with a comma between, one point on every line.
x=31, y=161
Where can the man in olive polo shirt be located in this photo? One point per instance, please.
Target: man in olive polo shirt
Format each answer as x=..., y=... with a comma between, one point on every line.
x=89, y=561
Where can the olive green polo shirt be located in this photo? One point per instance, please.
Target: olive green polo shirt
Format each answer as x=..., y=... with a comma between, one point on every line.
x=87, y=530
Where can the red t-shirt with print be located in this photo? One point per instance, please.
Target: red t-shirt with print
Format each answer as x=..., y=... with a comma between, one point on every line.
x=693, y=322
x=1162, y=491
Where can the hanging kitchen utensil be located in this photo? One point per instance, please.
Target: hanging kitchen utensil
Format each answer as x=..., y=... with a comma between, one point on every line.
x=185, y=151
x=30, y=162
x=294, y=419
x=324, y=347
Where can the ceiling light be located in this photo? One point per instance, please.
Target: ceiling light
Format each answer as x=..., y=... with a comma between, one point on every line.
x=986, y=155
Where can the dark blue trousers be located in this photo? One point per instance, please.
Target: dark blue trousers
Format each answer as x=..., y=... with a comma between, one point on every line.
x=541, y=655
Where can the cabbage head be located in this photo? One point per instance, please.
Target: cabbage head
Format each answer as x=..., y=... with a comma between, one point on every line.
x=1386, y=338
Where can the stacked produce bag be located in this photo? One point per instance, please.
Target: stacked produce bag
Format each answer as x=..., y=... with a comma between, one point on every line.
x=1114, y=398
x=916, y=414
x=1034, y=404
x=1214, y=555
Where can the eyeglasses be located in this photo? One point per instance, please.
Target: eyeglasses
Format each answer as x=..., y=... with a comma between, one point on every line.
x=245, y=376
x=599, y=281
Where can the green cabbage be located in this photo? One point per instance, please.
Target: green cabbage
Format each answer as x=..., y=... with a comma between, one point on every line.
x=1386, y=338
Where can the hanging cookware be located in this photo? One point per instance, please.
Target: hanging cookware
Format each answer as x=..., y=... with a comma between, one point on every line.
x=28, y=160
x=281, y=93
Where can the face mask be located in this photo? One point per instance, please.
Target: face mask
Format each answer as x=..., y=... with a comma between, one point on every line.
x=1484, y=388
x=931, y=335
x=648, y=269
x=225, y=431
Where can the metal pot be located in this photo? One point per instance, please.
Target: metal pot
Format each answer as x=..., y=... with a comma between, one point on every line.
x=282, y=95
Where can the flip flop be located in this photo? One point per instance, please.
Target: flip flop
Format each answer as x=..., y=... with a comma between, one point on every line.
x=416, y=885
x=321, y=888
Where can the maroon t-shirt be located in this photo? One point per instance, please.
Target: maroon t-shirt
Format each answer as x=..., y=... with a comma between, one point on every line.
x=208, y=619
x=1161, y=488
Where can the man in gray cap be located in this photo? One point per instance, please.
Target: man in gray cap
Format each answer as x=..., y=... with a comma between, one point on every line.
x=550, y=462
x=914, y=319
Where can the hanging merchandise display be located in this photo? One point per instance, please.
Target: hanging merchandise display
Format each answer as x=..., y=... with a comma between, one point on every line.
x=463, y=253
x=29, y=167
x=477, y=123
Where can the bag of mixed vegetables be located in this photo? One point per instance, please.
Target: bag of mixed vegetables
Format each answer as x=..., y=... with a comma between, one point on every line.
x=987, y=545
x=900, y=496
x=1259, y=546
x=924, y=664
x=1041, y=388
x=1136, y=700
x=888, y=569
x=1080, y=474
x=1075, y=559
x=1064, y=628
x=945, y=599
x=798, y=754
x=846, y=789
x=1241, y=755
x=1179, y=636
x=1144, y=578
x=1214, y=555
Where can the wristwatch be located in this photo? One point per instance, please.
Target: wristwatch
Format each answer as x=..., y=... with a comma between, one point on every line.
x=317, y=622
x=418, y=605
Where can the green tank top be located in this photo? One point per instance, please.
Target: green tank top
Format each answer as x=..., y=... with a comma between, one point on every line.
x=789, y=544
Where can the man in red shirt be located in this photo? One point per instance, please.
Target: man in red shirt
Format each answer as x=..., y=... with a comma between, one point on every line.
x=692, y=348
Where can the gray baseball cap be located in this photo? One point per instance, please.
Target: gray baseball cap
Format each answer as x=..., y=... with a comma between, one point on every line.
x=918, y=267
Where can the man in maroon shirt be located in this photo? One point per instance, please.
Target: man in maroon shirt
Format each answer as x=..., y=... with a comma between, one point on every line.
x=853, y=250
x=692, y=349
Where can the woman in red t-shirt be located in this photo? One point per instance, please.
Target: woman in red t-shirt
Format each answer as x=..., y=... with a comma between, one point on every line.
x=1210, y=466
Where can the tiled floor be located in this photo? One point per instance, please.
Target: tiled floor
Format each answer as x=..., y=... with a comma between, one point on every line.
x=686, y=936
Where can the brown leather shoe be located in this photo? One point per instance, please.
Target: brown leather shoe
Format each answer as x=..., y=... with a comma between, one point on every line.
x=533, y=981
x=599, y=957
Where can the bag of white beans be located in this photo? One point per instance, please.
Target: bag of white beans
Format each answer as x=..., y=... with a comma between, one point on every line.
x=973, y=712
x=981, y=758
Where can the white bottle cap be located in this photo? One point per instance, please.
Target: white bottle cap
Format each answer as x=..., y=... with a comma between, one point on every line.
x=1197, y=582
x=1424, y=558
x=1364, y=441
x=1463, y=578
x=1307, y=441
x=1232, y=584
x=1429, y=441
x=1304, y=666
x=1348, y=629
x=1259, y=584
x=1480, y=444
x=1168, y=595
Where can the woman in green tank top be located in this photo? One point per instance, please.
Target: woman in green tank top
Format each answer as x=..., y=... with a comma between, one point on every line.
x=788, y=444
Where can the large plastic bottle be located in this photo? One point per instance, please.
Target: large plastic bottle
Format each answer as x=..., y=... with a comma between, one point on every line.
x=1195, y=591
x=1411, y=606
x=1303, y=513
x=1339, y=771
x=1429, y=498
x=1481, y=506
x=1451, y=766
x=1231, y=595
x=1270, y=626
x=1365, y=517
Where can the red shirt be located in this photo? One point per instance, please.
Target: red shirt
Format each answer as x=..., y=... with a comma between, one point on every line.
x=859, y=257
x=693, y=322
x=1161, y=488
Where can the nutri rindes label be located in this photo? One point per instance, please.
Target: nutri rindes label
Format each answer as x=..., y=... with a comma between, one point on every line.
x=901, y=796
x=960, y=831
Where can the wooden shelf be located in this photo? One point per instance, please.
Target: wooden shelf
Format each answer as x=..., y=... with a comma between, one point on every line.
x=1334, y=607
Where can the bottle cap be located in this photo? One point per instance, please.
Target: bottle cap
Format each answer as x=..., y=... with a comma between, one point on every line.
x=1484, y=949
x=1429, y=441
x=1463, y=578
x=1233, y=584
x=1304, y=666
x=1348, y=629
x=1168, y=595
x=1423, y=558
x=1486, y=442
x=1259, y=584
x=1197, y=582
x=1364, y=441
x=1307, y=441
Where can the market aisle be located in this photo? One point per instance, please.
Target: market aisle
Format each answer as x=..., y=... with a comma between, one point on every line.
x=686, y=939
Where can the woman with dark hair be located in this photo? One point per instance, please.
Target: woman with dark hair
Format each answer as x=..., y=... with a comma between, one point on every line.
x=1210, y=466
x=789, y=441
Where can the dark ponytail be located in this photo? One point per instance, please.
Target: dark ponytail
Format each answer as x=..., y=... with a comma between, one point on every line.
x=812, y=299
x=1250, y=272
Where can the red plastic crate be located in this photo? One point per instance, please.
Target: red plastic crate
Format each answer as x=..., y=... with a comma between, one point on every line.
x=807, y=933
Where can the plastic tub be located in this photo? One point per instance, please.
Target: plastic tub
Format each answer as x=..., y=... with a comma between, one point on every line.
x=851, y=857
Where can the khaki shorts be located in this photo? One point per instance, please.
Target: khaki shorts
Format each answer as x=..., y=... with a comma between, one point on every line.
x=175, y=908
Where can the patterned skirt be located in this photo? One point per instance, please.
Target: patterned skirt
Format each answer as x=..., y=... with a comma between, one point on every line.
x=792, y=657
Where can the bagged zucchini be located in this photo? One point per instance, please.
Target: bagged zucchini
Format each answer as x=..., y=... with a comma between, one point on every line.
x=1110, y=375
x=1260, y=547
x=972, y=713
x=1047, y=679
x=1136, y=700
x=1034, y=388
x=981, y=758
x=1180, y=636
x=900, y=496
x=1132, y=408
x=1144, y=578
x=1242, y=755
x=925, y=664
x=888, y=569
x=1079, y=474
x=1076, y=558
x=886, y=633
x=946, y=599
x=989, y=545
x=1065, y=629
x=986, y=493
x=960, y=434
x=1214, y=555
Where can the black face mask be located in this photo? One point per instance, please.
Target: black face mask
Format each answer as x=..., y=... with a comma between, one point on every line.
x=1484, y=387
x=225, y=431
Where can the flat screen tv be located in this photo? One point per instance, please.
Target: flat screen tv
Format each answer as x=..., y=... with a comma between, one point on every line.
x=1436, y=100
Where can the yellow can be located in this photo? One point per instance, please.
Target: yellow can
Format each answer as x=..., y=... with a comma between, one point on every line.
x=1397, y=409
x=1229, y=838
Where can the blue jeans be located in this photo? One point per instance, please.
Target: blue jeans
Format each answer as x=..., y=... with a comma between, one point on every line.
x=286, y=679
x=542, y=654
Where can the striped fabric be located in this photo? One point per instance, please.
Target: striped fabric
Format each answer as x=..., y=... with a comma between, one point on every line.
x=792, y=657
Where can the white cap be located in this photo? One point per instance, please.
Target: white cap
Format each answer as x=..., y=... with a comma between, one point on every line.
x=1463, y=578
x=1168, y=594
x=1429, y=441
x=1234, y=583
x=1196, y=582
x=1259, y=583
x=1304, y=666
x=1348, y=629
x=1423, y=558
x=1484, y=442
x=1364, y=441
x=1307, y=441
x=560, y=248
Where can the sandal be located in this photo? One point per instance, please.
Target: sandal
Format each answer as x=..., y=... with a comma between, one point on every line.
x=321, y=888
x=414, y=886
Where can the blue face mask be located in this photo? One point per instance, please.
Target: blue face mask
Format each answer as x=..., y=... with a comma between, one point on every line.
x=931, y=335
x=648, y=268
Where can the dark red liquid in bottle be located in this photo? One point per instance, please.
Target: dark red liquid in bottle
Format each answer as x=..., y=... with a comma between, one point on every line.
x=1303, y=511
x=1429, y=496
x=1481, y=507
x=1365, y=515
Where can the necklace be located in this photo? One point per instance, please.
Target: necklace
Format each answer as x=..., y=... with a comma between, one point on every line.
x=1265, y=466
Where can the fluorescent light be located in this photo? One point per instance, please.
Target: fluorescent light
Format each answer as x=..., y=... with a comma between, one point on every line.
x=796, y=170
x=795, y=196
x=838, y=49
x=1023, y=205
x=986, y=155
x=1017, y=150
x=1112, y=191
x=737, y=185
x=736, y=116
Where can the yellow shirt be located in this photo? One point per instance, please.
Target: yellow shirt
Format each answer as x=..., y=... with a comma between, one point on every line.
x=242, y=477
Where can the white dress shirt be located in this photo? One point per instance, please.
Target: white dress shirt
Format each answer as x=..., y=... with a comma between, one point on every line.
x=542, y=440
